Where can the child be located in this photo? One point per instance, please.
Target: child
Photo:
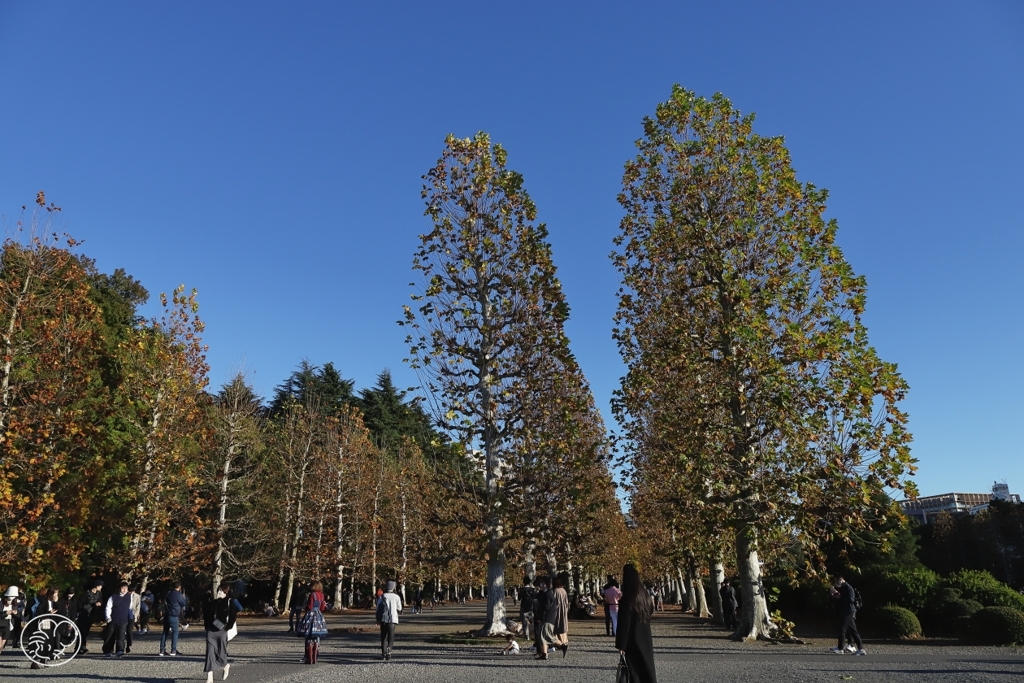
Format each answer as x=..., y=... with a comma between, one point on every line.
x=513, y=647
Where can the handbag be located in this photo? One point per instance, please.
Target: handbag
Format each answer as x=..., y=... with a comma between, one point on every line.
x=622, y=674
x=218, y=624
x=233, y=631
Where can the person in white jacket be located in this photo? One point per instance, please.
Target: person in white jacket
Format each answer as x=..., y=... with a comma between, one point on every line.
x=388, y=608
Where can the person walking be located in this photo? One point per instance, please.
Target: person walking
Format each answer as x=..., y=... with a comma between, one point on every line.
x=526, y=613
x=633, y=637
x=611, y=596
x=312, y=624
x=89, y=611
x=541, y=599
x=7, y=618
x=219, y=616
x=299, y=599
x=846, y=603
x=555, y=630
x=174, y=609
x=729, y=604
x=119, y=618
x=388, y=608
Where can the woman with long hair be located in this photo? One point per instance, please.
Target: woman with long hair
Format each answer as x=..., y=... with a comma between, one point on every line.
x=633, y=635
x=313, y=625
x=555, y=630
x=219, y=616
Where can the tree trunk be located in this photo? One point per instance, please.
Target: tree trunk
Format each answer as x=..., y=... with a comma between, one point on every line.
x=698, y=585
x=717, y=579
x=222, y=516
x=405, y=552
x=755, y=622
x=495, y=623
x=529, y=559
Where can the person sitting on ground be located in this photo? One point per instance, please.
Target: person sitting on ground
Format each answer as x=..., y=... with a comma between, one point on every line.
x=512, y=647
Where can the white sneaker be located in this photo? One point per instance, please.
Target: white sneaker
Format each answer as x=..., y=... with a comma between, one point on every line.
x=837, y=650
x=851, y=648
x=860, y=652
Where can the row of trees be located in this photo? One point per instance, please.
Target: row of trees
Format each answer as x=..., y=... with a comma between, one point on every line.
x=118, y=457
x=757, y=419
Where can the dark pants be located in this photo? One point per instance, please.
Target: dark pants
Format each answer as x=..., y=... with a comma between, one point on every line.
x=294, y=617
x=84, y=623
x=387, y=638
x=171, y=625
x=729, y=613
x=527, y=619
x=849, y=624
x=607, y=620
x=116, y=636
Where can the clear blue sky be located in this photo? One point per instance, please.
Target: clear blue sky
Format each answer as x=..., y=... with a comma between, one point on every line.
x=270, y=155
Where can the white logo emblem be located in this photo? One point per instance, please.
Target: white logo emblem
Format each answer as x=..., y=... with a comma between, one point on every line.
x=50, y=640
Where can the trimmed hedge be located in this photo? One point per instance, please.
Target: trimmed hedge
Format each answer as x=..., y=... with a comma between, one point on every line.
x=986, y=589
x=912, y=589
x=996, y=626
x=893, y=621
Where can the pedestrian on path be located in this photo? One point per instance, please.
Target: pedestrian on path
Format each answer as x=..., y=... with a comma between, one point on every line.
x=611, y=596
x=729, y=604
x=299, y=599
x=174, y=609
x=388, y=608
x=7, y=620
x=219, y=616
x=89, y=612
x=846, y=602
x=526, y=613
x=555, y=630
x=119, y=618
x=313, y=625
x=633, y=638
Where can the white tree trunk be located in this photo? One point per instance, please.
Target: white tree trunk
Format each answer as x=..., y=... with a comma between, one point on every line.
x=717, y=579
x=755, y=622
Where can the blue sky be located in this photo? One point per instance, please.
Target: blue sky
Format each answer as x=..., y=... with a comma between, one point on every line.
x=270, y=155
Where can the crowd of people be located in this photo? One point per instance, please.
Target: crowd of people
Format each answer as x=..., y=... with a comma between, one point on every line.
x=544, y=612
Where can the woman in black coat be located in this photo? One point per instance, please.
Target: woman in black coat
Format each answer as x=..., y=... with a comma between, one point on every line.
x=219, y=616
x=633, y=636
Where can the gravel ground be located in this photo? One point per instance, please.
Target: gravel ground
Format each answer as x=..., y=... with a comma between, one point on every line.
x=685, y=650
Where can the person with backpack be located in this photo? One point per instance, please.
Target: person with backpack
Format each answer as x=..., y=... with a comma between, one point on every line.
x=388, y=608
x=847, y=602
x=313, y=625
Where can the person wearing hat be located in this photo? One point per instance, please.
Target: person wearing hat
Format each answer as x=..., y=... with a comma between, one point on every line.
x=388, y=609
x=9, y=612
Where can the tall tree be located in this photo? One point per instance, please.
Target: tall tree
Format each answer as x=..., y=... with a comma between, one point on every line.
x=161, y=412
x=490, y=298
x=52, y=403
x=740, y=324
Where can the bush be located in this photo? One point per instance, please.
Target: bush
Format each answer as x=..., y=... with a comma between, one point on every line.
x=986, y=589
x=946, y=594
x=912, y=589
x=996, y=626
x=892, y=621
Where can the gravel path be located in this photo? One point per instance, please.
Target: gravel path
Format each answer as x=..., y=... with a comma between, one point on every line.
x=685, y=651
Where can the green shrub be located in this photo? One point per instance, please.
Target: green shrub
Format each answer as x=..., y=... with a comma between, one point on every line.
x=986, y=589
x=996, y=626
x=893, y=621
x=908, y=588
x=940, y=618
x=945, y=594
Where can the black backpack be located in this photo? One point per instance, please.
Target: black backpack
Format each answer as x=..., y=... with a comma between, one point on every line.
x=858, y=601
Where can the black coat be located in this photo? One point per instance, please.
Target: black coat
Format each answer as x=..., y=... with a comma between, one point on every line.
x=634, y=638
x=221, y=609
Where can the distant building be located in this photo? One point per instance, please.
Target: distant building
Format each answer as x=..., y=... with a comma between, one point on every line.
x=927, y=508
